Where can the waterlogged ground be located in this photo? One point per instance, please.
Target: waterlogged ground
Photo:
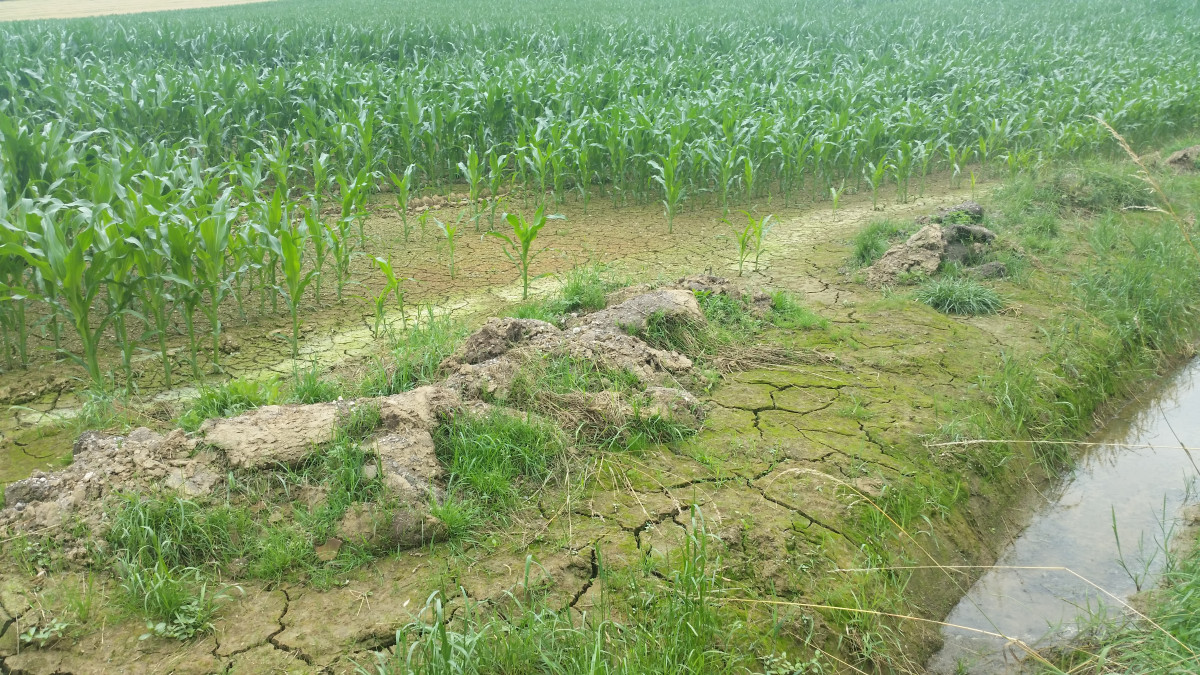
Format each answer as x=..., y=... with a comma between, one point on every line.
x=781, y=473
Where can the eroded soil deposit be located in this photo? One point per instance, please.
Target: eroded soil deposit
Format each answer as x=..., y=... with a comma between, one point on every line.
x=800, y=454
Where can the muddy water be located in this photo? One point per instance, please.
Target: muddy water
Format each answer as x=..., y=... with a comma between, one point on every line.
x=1139, y=489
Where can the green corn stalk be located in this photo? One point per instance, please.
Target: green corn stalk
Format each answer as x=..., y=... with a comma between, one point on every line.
x=292, y=243
x=472, y=172
x=212, y=273
x=120, y=290
x=13, y=279
x=152, y=257
x=354, y=196
x=315, y=232
x=320, y=178
x=878, y=170
x=537, y=159
x=450, y=232
x=670, y=178
x=394, y=285
x=182, y=242
x=403, y=186
x=748, y=169
x=74, y=282
x=340, y=246
x=496, y=166
x=518, y=248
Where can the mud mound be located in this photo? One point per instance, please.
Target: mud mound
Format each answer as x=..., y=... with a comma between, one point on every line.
x=948, y=236
x=284, y=437
x=489, y=359
x=1187, y=159
x=142, y=460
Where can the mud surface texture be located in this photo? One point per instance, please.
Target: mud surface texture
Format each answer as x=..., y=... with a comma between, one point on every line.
x=786, y=456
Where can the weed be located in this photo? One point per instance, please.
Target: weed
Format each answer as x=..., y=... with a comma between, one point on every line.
x=418, y=354
x=487, y=455
x=872, y=242
x=586, y=288
x=175, y=601
x=563, y=374
x=959, y=295
x=310, y=387
x=461, y=516
x=549, y=310
x=230, y=398
x=787, y=312
x=177, y=531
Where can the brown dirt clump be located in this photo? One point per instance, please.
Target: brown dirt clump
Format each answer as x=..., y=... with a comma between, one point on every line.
x=1187, y=159
x=951, y=234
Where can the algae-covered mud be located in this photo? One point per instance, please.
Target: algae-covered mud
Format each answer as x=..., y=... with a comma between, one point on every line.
x=761, y=460
x=345, y=336
x=531, y=336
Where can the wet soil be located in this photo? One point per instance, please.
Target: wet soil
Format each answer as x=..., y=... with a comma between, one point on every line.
x=780, y=472
x=805, y=252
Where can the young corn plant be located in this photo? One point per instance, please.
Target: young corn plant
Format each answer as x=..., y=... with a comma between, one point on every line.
x=403, y=192
x=496, y=167
x=472, y=172
x=292, y=243
x=669, y=176
x=182, y=243
x=393, y=286
x=451, y=232
x=212, y=274
x=315, y=232
x=518, y=248
x=74, y=282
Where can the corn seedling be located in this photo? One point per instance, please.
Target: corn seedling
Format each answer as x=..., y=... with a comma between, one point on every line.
x=518, y=248
x=472, y=172
x=403, y=185
x=292, y=244
x=393, y=286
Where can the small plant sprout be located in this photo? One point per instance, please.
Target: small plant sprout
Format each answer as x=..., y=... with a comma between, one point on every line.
x=472, y=171
x=750, y=239
x=394, y=286
x=403, y=185
x=836, y=195
x=496, y=166
x=875, y=172
x=451, y=232
x=518, y=248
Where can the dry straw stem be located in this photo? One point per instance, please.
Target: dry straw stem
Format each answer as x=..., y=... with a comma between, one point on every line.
x=1144, y=174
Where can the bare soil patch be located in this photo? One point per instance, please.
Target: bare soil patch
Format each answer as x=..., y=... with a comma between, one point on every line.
x=26, y=10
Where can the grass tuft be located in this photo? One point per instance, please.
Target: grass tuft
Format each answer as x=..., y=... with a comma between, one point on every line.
x=959, y=295
x=489, y=456
x=228, y=399
x=873, y=241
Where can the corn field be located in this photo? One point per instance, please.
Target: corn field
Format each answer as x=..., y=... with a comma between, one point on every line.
x=161, y=172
